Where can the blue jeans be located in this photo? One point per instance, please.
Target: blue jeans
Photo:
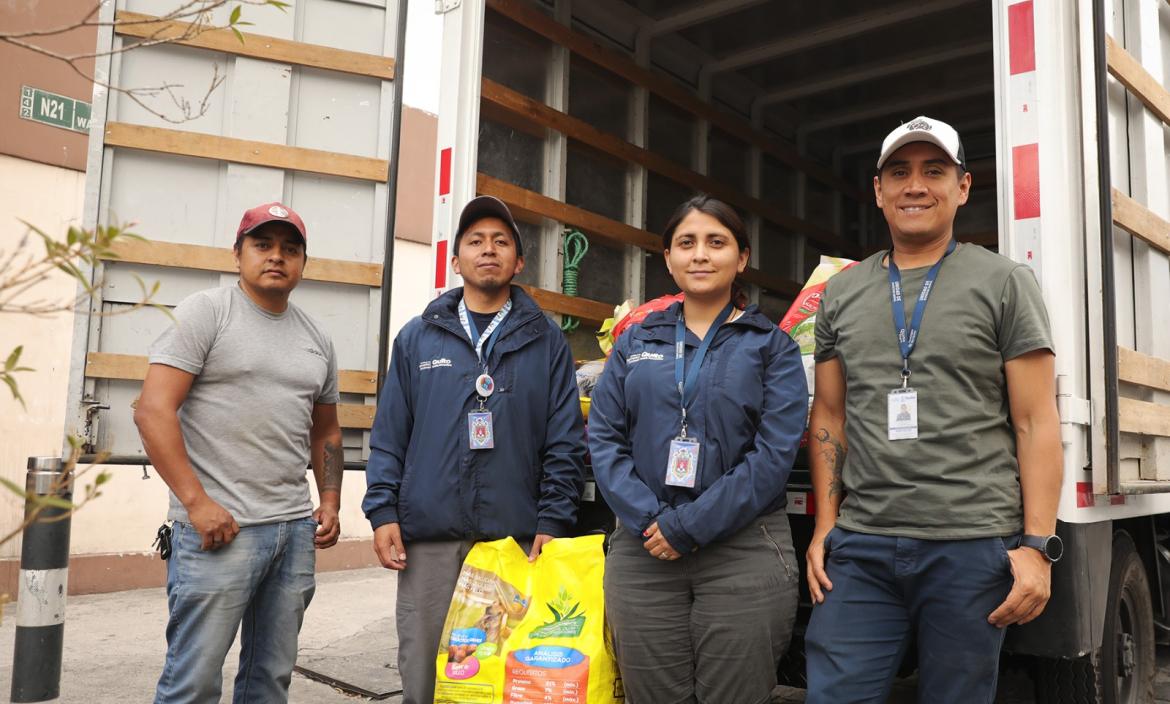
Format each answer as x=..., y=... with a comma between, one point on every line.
x=887, y=588
x=262, y=579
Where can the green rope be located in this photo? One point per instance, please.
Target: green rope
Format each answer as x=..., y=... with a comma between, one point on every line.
x=574, y=245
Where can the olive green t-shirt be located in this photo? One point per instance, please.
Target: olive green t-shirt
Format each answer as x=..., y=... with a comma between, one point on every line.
x=959, y=479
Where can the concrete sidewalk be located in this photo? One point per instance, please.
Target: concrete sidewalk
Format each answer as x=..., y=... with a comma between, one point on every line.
x=115, y=643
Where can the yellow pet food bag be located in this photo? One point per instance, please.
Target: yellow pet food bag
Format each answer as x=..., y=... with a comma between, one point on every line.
x=520, y=632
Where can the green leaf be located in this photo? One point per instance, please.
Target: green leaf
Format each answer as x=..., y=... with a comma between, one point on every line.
x=282, y=6
x=239, y=35
x=12, y=486
x=101, y=479
x=72, y=270
x=53, y=502
x=236, y=14
x=573, y=610
x=14, y=389
x=13, y=357
x=555, y=612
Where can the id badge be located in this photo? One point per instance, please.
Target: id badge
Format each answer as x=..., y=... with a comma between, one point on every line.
x=683, y=465
x=479, y=430
x=903, y=414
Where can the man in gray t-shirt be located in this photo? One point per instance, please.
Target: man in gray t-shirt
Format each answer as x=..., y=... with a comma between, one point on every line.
x=934, y=445
x=240, y=395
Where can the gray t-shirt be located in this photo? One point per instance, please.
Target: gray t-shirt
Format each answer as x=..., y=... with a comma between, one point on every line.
x=960, y=478
x=247, y=417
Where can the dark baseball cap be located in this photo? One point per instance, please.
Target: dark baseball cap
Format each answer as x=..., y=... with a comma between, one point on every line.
x=487, y=207
x=271, y=212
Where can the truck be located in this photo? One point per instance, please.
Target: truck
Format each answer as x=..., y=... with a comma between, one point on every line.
x=599, y=116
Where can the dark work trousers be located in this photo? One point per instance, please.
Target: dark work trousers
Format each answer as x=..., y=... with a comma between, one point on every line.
x=886, y=588
x=709, y=627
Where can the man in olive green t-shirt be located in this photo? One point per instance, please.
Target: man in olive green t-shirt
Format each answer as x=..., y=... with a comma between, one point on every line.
x=934, y=444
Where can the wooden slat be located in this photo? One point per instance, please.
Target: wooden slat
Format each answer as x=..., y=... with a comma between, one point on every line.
x=584, y=308
x=986, y=238
x=529, y=204
x=1129, y=71
x=1141, y=369
x=356, y=381
x=774, y=284
x=1141, y=222
x=132, y=367
x=193, y=256
x=105, y=365
x=355, y=415
x=522, y=199
x=257, y=46
x=505, y=98
x=244, y=151
x=524, y=14
x=1143, y=417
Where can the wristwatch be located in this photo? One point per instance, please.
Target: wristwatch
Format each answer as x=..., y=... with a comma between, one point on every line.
x=1050, y=546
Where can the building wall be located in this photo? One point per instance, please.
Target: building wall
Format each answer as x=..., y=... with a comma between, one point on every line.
x=22, y=67
x=49, y=197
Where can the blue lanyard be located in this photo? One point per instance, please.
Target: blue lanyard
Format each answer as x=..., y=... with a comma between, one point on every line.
x=483, y=352
x=908, y=337
x=688, y=389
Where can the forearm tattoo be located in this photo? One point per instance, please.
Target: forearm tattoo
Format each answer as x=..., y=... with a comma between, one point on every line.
x=334, y=467
x=833, y=450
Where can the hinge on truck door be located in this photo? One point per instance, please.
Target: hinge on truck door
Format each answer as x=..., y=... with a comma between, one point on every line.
x=1072, y=410
x=442, y=7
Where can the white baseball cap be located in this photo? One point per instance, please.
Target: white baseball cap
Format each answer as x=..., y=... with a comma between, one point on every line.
x=924, y=129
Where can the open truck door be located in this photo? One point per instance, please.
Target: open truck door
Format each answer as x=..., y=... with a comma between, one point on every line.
x=1081, y=118
x=306, y=112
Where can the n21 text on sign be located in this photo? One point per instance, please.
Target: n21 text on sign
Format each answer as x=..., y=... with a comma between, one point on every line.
x=52, y=109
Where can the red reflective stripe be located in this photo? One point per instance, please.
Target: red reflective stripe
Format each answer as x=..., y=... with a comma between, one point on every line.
x=1026, y=185
x=441, y=264
x=1084, y=494
x=445, y=171
x=1021, y=38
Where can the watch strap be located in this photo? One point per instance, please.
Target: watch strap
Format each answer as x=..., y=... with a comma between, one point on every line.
x=1042, y=543
x=1039, y=542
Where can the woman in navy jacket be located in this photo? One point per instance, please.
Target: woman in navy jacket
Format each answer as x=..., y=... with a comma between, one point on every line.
x=701, y=577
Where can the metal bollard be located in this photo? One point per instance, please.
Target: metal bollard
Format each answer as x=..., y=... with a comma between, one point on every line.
x=44, y=572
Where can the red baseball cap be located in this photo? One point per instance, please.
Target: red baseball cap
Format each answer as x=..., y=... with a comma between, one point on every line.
x=269, y=212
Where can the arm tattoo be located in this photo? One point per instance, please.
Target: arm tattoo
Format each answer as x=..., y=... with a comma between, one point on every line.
x=334, y=466
x=834, y=453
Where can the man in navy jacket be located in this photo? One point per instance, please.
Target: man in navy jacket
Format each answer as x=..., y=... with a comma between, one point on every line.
x=478, y=435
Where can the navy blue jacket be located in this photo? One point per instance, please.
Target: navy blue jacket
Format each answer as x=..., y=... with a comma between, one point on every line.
x=749, y=414
x=421, y=472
